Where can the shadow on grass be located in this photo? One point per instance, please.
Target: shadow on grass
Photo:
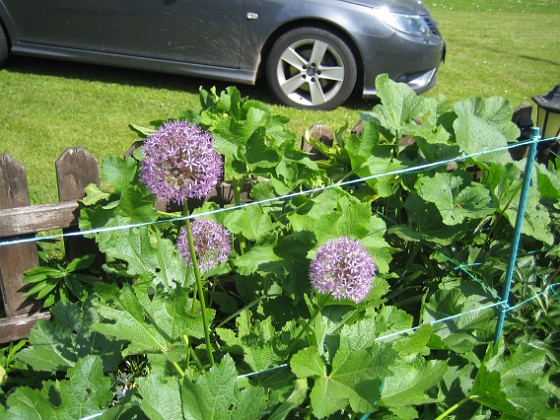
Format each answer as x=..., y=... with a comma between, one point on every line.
x=148, y=79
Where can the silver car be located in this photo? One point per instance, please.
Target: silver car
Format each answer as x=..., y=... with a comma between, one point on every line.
x=313, y=53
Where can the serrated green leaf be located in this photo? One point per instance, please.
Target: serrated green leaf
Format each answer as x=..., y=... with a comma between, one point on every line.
x=399, y=106
x=410, y=382
x=123, y=325
x=378, y=170
x=456, y=297
x=483, y=125
x=150, y=323
x=506, y=182
x=251, y=222
x=161, y=400
x=308, y=363
x=86, y=392
x=146, y=252
x=454, y=198
x=295, y=399
x=94, y=194
x=257, y=259
x=56, y=345
x=217, y=395
x=426, y=224
x=354, y=380
x=28, y=403
x=416, y=343
x=118, y=173
x=517, y=384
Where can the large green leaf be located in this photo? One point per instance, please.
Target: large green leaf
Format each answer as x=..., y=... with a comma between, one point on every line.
x=353, y=380
x=119, y=173
x=452, y=311
x=259, y=259
x=413, y=382
x=455, y=197
x=214, y=395
x=149, y=324
x=483, y=125
x=251, y=222
x=161, y=399
x=86, y=392
x=426, y=224
x=59, y=343
x=517, y=384
x=146, y=252
x=375, y=168
x=506, y=182
x=261, y=345
x=400, y=105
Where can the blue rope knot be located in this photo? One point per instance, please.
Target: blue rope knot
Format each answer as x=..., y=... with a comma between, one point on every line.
x=505, y=306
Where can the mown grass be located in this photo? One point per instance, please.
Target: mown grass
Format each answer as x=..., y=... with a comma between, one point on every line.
x=505, y=48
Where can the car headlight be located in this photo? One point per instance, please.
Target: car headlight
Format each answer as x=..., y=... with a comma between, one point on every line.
x=409, y=24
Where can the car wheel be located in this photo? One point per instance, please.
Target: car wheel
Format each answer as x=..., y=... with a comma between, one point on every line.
x=3, y=47
x=311, y=68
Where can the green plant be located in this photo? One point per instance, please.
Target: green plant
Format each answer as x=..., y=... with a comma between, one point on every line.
x=65, y=282
x=419, y=345
x=8, y=360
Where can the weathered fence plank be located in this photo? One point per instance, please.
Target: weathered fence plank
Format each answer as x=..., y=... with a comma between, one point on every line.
x=18, y=327
x=16, y=259
x=37, y=218
x=76, y=168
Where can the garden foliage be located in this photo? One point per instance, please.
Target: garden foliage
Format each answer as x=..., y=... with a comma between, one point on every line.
x=416, y=186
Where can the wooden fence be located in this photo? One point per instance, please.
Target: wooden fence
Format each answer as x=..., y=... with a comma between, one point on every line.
x=75, y=169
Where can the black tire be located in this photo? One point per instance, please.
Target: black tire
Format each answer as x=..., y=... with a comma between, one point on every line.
x=311, y=68
x=4, y=51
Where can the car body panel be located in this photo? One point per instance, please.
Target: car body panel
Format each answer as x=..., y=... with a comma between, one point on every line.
x=210, y=36
x=61, y=23
x=219, y=39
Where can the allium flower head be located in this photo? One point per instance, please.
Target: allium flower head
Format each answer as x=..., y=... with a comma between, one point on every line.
x=211, y=244
x=343, y=269
x=180, y=162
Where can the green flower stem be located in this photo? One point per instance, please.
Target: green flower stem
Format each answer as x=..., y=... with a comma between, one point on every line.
x=181, y=371
x=196, y=360
x=455, y=407
x=248, y=306
x=199, y=288
x=236, y=185
x=306, y=326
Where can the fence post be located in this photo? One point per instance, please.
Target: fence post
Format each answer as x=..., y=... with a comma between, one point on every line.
x=535, y=137
x=16, y=259
x=76, y=168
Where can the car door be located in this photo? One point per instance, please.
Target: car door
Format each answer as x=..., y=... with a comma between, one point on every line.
x=60, y=23
x=195, y=31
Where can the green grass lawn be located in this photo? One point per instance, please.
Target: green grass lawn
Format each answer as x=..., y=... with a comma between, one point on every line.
x=507, y=48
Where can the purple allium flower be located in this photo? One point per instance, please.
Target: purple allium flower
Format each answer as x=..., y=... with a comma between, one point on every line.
x=343, y=269
x=211, y=244
x=180, y=162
